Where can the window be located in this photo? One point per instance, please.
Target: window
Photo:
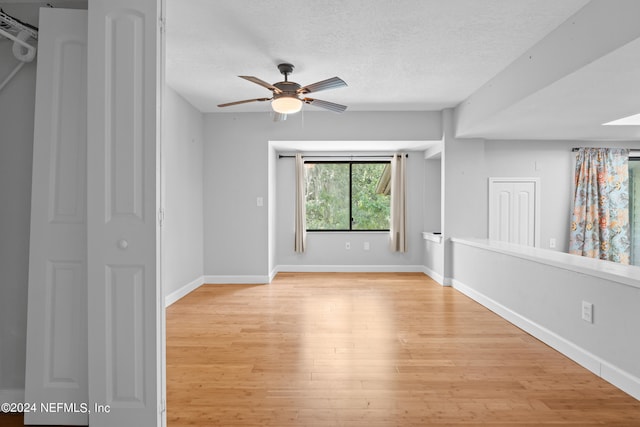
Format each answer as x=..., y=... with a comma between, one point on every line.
x=347, y=196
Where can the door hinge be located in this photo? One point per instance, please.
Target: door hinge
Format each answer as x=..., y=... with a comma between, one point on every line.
x=161, y=24
x=161, y=217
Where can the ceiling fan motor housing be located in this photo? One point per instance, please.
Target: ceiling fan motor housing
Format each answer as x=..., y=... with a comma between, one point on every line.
x=287, y=88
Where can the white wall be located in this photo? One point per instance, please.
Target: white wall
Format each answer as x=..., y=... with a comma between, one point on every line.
x=236, y=156
x=182, y=230
x=327, y=249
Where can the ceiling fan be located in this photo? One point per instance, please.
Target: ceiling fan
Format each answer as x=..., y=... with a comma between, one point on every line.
x=288, y=97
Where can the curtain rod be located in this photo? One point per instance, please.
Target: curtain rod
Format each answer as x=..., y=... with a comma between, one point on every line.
x=574, y=149
x=285, y=156
x=633, y=153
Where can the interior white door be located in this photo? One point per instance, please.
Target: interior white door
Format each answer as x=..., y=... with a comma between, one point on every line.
x=513, y=210
x=56, y=365
x=124, y=296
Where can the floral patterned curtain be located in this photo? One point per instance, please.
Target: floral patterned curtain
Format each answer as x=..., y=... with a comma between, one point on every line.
x=600, y=216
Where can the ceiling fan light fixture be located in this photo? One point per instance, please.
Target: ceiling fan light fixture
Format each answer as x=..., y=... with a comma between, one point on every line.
x=286, y=105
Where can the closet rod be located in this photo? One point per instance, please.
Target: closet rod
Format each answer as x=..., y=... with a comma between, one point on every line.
x=7, y=22
x=15, y=39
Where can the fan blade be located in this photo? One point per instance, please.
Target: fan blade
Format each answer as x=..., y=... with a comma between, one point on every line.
x=243, y=102
x=336, y=108
x=332, y=83
x=261, y=83
x=279, y=117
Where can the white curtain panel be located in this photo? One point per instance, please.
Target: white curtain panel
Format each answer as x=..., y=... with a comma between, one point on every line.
x=301, y=221
x=398, y=241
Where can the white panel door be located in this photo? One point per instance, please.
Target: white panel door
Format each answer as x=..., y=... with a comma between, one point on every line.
x=56, y=365
x=125, y=304
x=514, y=210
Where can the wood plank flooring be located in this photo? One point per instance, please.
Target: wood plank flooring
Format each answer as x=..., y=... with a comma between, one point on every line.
x=359, y=349
x=17, y=420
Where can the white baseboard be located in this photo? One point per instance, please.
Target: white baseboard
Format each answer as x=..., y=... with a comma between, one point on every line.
x=12, y=395
x=351, y=268
x=183, y=291
x=259, y=279
x=609, y=372
x=236, y=280
x=444, y=281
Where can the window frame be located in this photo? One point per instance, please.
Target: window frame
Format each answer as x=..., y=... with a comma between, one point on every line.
x=350, y=163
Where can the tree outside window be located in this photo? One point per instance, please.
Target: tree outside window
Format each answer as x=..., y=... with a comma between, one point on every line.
x=347, y=196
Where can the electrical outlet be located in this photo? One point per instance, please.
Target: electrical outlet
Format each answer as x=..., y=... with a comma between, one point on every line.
x=587, y=311
x=259, y=201
x=552, y=243
x=366, y=246
x=347, y=245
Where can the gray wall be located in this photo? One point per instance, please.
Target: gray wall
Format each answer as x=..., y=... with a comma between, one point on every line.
x=236, y=156
x=543, y=295
x=182, y=231
x=553, y=162
x=432, y=195
x=272, y=212
x=17, y=103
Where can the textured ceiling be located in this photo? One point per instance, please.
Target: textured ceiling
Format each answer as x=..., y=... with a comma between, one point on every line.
x=515, y=69
x=394, y=55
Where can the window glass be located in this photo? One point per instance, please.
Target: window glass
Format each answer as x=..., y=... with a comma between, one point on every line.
x=346, y=196
x=370, y=209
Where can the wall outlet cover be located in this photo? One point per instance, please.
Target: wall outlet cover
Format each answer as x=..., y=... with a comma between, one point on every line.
x=587, y=311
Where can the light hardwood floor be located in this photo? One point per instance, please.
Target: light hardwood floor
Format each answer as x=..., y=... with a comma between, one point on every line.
x=17, y=420
x=368, y=350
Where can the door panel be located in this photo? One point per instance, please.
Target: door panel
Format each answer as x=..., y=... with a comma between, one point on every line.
x=56, y=365
x=524, y=225
x=124, y=295
x=504, y=215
